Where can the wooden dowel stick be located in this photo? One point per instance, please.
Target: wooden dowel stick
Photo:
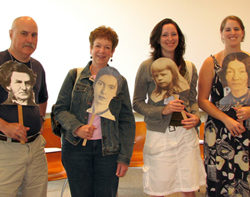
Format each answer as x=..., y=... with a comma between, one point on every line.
x=20, y=118
x=182, y=112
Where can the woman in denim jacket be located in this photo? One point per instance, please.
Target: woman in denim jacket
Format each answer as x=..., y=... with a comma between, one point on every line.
x=94, y=170
x=171, y=154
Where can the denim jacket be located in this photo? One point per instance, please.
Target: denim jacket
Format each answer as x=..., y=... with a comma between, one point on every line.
x=70, y=111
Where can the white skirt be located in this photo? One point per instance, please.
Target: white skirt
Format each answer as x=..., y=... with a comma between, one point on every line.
x=172, y=162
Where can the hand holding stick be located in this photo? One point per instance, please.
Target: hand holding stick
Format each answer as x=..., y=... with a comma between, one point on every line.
x=20, y=118
x=236, y=108
x=182, y=112
x=105, y=89
x=90, y=123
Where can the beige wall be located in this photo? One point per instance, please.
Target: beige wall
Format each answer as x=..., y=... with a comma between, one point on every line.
x=64, y=27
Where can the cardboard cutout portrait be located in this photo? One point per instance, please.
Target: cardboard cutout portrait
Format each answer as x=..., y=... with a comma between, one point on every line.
x=235, y=79
x=107, y=85
x=168, y=81
x=18, y=80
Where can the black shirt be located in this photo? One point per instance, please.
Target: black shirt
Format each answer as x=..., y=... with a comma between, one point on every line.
x=31, y=114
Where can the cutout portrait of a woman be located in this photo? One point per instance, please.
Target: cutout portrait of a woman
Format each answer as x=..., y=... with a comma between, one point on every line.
x=106, y=86
x=18, y=80
x=235, y=78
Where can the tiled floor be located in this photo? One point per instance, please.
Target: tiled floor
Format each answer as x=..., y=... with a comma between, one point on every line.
x=129, y=186
x=55, y=187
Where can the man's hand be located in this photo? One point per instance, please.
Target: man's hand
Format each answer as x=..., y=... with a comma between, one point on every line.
x=16, y=131
x=42, y=128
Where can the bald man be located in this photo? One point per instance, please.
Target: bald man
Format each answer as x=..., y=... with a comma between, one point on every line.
x=23, y=167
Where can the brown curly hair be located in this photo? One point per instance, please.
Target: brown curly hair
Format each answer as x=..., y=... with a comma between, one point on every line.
x=104, y=32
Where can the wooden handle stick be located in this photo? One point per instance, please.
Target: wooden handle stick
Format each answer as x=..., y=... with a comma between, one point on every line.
x=20, y=118
x=182, y=112
x=183, y=115
x=90, y=123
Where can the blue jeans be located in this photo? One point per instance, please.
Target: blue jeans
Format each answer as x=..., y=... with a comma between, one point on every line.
x=89, y=173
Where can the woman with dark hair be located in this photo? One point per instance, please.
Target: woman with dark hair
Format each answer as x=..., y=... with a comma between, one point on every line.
x=106, y=86
x=158, y=51
x=94, y=169
x=226, y=147
x=171, y=154
x=234, y=78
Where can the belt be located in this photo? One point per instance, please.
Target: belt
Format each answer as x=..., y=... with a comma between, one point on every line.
x=30, y=138
x=171, y=128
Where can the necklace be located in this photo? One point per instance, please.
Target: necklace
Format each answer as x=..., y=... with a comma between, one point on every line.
x=91, y=68
x=29, y=64
x=99, y=113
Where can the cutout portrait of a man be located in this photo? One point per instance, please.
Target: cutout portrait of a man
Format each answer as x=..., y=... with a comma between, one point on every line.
x=235, y=78
x=106, y=86
x=18, y=80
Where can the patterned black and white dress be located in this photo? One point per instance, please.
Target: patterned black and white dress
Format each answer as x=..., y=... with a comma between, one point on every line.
x=226, y=156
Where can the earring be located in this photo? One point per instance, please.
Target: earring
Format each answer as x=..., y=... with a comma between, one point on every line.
x=111, y=59
x=90, y=57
